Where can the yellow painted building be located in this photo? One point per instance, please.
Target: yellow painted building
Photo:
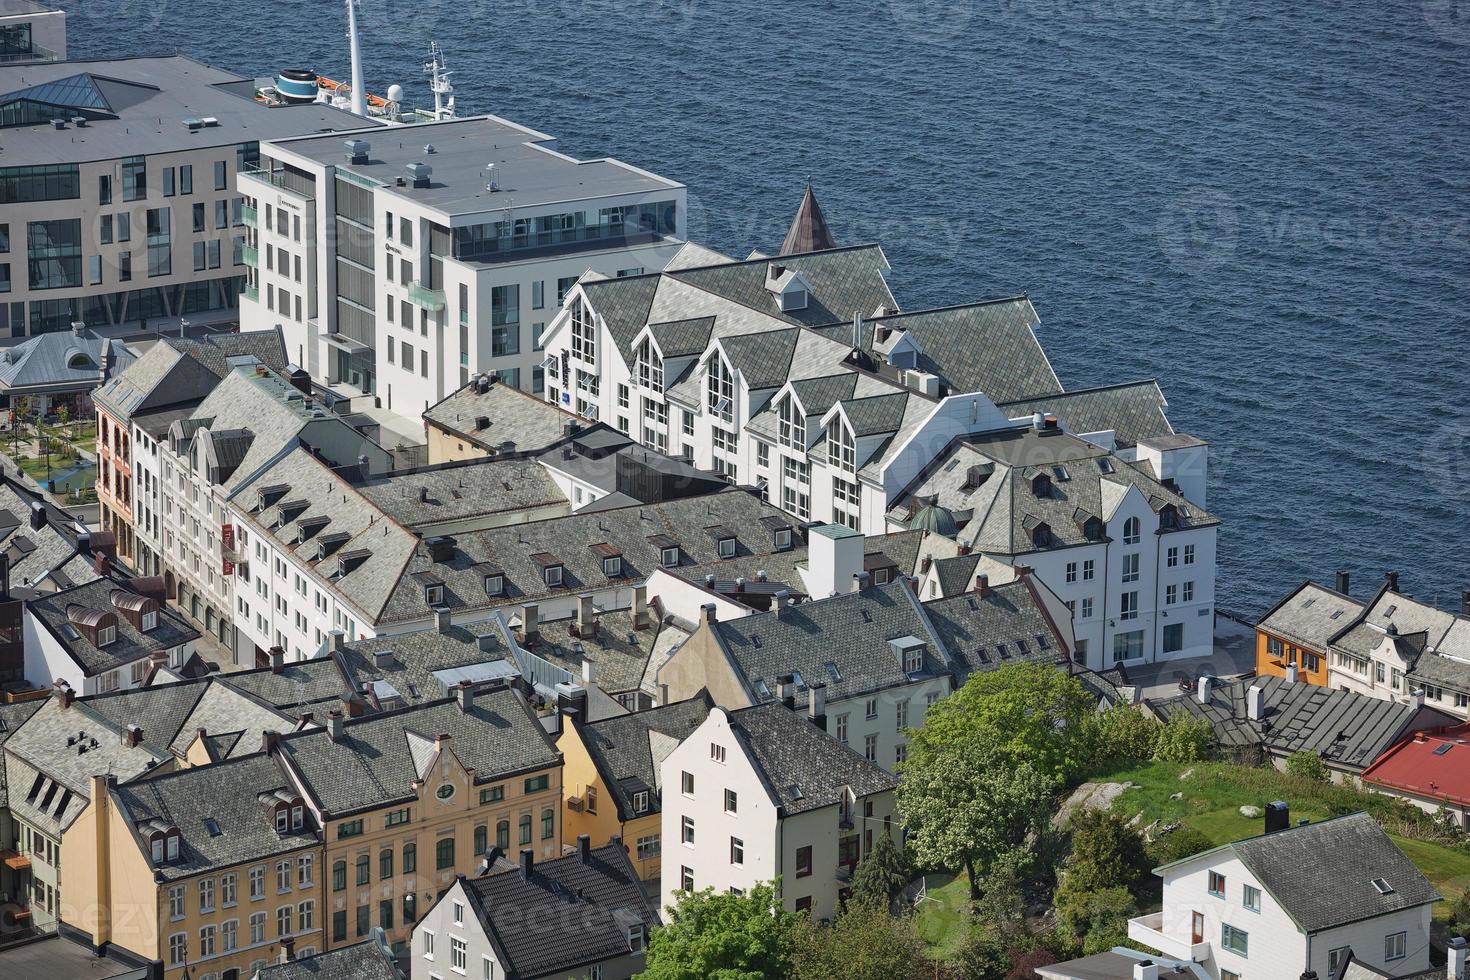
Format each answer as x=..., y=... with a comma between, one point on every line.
x=404, y=812
x=1297, y=632
x=611, y=777
x=206, y=869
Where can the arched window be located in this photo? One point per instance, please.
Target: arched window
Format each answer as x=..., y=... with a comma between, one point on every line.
x=502, y=835
x=548, y=823
x=339, y=876
x=481, y=833
x=720, y=388
x=1132, y=531
x=526, y=828
x=364, y=870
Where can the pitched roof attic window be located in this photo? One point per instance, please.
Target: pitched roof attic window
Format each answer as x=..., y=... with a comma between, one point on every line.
x=494, y=584
x=727, y=547
x=434, y=594
x=552, y=575
x=669, y=557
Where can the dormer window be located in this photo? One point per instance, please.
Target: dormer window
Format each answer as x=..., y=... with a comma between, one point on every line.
x=106, y=635
x=494, y=584
x=640, y=801
x=552, y=575
x=283, y=819
x=792, y=430
x=1041, y=485
x=551, y=569
x=1092, y=529
x=727, y=547
x=636, y=938
x=782, y=538
x=1041, y=536
x=611, y=558
x=172, y=847
x=719, y=388
x=669, y=557
x=298, y=817
x=150, y=620
x=434, y=595
x=650, y=368
x=157, y=850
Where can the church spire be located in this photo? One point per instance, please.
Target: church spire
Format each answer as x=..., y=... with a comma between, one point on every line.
x=808, y=231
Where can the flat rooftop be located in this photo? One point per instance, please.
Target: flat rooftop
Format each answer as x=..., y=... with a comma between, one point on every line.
x=528, y=171
x=11, y=8
x=150, y=98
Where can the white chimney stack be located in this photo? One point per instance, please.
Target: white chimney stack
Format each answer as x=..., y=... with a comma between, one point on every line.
x=1455, y=967
x=1146, y=970
x=1417, y=698
x=1255, y=702
x=1291, y=674
x=834, y=559
x=1206, y=689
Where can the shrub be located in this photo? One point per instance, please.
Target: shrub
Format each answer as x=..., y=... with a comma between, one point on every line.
x=1307, y=764
x=1124, y=734
x=1106, y=852
x=1179, y=844
x=1106, y=910
x=1184, y=740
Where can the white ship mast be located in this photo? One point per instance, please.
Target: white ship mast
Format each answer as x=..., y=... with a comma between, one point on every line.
x=359, y=90
x=439, y=82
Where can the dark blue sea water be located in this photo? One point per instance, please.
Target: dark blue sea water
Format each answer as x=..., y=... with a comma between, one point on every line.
x=1265, y=206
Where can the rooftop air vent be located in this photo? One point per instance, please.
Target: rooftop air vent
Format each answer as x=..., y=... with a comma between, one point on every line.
x=193, y=125
x=209, y=122
x=419, y=174
x=357, y=151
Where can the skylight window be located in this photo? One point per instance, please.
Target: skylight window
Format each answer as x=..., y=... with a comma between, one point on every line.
x=1382, y=886
x=761, y=690
x=1060, y=472
x=212, y=825
x=1444, y=748
x=1104, y=465
x=833, y=672
x=1388, y=613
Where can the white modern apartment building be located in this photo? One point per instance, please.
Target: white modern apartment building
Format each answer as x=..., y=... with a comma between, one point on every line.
x=401, y=262
x=31, y=32
x=1294, y=900
x=1126, y=545
x=761, y=794
x=117, y=188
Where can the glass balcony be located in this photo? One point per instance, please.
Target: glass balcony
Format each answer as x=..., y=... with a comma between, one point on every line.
x=252, y=293
x=247, y=216
x=429, y=299
x=249, y=255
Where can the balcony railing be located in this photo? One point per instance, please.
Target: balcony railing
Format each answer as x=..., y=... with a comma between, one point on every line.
x=1149, y=930
x=252, y=293
x=247, y=216
x=429, y=299
x=249, y=255
x=281, y=179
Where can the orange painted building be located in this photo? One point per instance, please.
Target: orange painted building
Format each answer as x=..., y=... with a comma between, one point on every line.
x=1296, y=633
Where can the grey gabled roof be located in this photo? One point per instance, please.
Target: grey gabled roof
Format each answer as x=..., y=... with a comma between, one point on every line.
x=39, y=555
x=762, y=358
x=601, y=899
x=1005, y=626
x=374, y=761
x=68, y=361
x=849, y=631
x=225, y=793
x=617, y=652
x=1133, y=410
x=682, y=338
x=627, y=749
x=370, y=959
x=130, y=644
x=802, y=766
x=12, y=716
x=623, y=304
x=1322, y=874
x=178, y=370
x=988, y=347
x=1349, y=730
x=514, y=416
x=1311, y=616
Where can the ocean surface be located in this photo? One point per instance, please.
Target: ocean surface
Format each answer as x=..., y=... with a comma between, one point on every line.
x=1265, y=206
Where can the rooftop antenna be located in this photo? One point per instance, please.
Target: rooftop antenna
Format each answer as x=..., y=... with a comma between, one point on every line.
x=439, y=82
x=359, y=95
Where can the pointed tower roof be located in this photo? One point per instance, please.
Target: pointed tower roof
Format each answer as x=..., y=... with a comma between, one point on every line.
x=808, y=231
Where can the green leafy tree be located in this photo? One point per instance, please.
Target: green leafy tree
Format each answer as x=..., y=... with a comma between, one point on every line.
x=1181, y=843
x=965, y=803
x=1122, y=734
x=865, y=943
x=1104, y=912
x=882, y=875
x=1184, y=739
x=983, y=955
x=1002, y=903
x=1308, y=765
x=1106, y=852
x=729, y=937
x=1031, y=713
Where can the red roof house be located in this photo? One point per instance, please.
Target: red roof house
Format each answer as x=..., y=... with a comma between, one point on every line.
x=1431, y=769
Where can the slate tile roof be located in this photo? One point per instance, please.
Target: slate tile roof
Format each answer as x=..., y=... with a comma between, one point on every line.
x=515, y=416
x=988, y=347
x=374, y=761
x=181, y=371
x=131, y=644
x=461, y=491
x=539, y=927
x=226, y=794
x=1000, y=515
x=12, y=716
x=802, y=766
x=1345, y=853
x=618, y=653
x=413, y=660
x=38, y=556
x=367, y=960
x=1311, y=616
x=849, y=631
x=1005, y=626
x=1133, y=410
x=1349, y=730
x=566, y=539
x=628, y=749
x=61, y=362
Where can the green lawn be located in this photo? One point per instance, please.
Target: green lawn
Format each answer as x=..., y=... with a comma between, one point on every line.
x=1214, y=793
x=944, y=918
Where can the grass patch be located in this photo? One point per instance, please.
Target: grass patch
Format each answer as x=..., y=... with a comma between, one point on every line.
x=943, y=919
x=1214, y=793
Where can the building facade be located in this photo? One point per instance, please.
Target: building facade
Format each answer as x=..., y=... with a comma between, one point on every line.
x=402, y=271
